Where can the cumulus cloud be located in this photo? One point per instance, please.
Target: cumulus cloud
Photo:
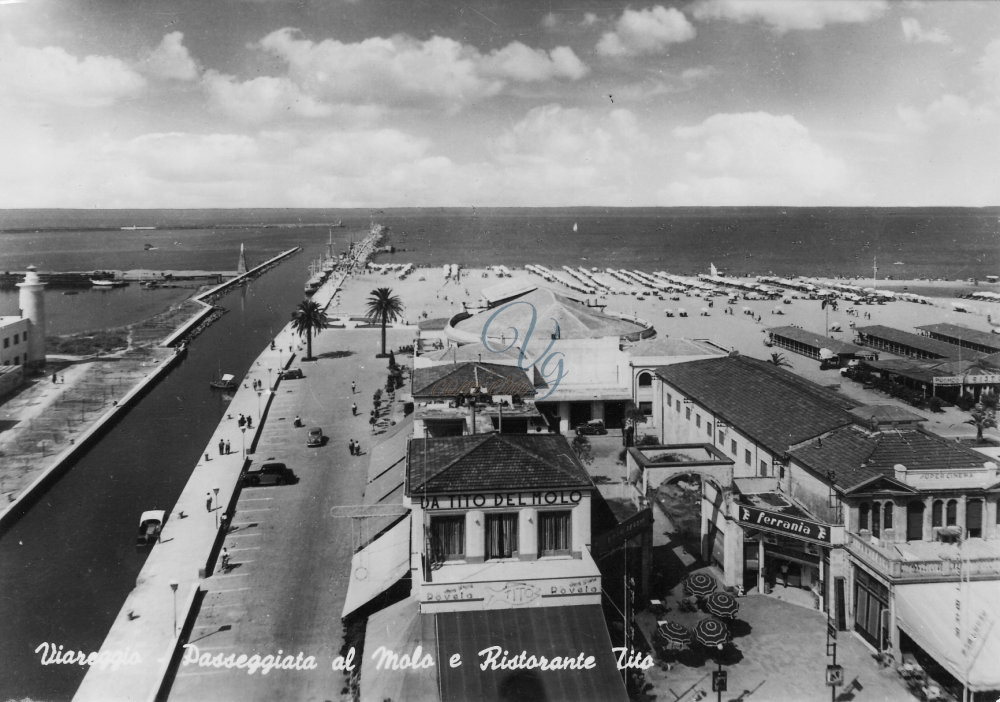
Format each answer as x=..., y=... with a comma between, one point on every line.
x=170, y=60
x=667, y=84
x=404, y=70
x=260, y=99
x=791, y=14
x=988, y=67
x=648, y=31
x=913, y=33
x=755, y=158
x=947, y=111
x=53, y=75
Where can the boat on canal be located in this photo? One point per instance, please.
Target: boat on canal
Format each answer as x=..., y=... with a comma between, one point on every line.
x=224, y=381
x=107, y=283
x=150, y=525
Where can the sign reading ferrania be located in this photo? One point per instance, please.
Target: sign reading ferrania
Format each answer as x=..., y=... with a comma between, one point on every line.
x=784, y=524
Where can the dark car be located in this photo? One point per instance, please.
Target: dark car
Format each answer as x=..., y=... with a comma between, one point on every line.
x=315, y=437
x=594, y=426
x=269, y=474
x=292, y=374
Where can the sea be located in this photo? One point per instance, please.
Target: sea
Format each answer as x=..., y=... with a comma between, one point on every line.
x=851, y=242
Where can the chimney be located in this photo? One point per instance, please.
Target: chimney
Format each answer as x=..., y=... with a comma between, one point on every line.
x=899, y=472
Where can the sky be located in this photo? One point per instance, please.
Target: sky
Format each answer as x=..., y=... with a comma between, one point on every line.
x=384, y=103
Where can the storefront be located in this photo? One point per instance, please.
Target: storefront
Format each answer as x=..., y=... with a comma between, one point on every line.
x=784, y=550
x=871, y=609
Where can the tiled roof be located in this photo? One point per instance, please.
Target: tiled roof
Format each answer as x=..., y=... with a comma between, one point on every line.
x=774, y=407
x=487, y=462
x=474, y=352
x=855, y=455
x=916, y=341
x=449, y=380
x=956, y=331
x=885, y=414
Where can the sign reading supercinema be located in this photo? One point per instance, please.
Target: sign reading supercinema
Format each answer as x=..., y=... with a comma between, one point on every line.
x=784, y=524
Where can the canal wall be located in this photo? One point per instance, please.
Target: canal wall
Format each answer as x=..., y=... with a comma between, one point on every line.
x=151, y=623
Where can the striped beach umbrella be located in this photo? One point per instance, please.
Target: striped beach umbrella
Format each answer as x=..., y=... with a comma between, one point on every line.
x=699, y=584
x=711, y=632
x=722, y=604
x=673, y=634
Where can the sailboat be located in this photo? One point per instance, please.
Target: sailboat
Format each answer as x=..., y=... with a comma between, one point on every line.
x=223, y=381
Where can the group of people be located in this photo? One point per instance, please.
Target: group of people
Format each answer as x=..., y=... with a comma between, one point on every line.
x=245, y=421
x=224, y=448
x=258, y=384
x=355, y=447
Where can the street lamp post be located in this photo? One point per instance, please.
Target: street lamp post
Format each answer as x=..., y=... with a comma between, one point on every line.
x=216, y=510
x=173, y=586
x=259, y=393
x=243, y=433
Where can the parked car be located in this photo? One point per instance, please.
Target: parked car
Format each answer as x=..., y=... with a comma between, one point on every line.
x=594, y=426
x=292, y=374
x=315, y=437
x=269, y=474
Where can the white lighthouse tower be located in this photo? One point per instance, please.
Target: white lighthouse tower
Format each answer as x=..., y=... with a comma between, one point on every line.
x=32, y=303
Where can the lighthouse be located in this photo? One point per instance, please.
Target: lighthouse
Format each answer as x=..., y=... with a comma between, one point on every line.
x=32, y=303
x=241, y=267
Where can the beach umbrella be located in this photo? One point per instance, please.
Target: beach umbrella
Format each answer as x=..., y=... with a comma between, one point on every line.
x=673, y=634
x=699, y=584
x=722, y=604
x=710, y=632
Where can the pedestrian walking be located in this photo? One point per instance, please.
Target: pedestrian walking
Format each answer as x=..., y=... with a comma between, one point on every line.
x=784, y=575
x=351, y=446
x=242, y=421
x=222, y=446
x=357, y=448
x=354, y=386
x=225, y=558
x=208, y=502
x=249, y=422
x=354, y=409
x=54, y=379
x=228, y=451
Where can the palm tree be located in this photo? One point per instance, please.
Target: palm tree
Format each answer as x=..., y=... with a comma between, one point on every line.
x=779, y=360
x=384, y=307
x=308, y=318
x=982, y=418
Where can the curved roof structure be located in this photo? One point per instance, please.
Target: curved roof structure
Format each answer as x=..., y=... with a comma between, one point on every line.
x=554, y=316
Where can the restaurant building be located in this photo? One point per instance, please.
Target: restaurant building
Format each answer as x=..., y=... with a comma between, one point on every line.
x=497, y=548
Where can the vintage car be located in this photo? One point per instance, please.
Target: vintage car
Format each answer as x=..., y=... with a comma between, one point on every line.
x=150, y=525
x=594, y=426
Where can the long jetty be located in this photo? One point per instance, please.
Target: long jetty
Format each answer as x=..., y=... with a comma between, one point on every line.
x=158, y=614
x=63, y=460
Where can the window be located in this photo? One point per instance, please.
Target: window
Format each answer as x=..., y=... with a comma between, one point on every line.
x=732, y=447
x=447, y=538
x=17, y=339
x=876, y=519
x=646, y=408
x=678, y=404
x=763, y=469
x=887, y=515
x=501, y=535
x=553, y=533
x=697, y=420
x=722, y=437
x=746, y=456
x=687, y=413
x=645, y=380
x=863, y=516
x=708, y=429
x=670, y=399
x=937, y=513
x=952, y=512
x=6, y=343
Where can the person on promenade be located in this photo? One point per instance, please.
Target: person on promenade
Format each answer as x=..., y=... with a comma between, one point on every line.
x=357, y=448
x=249, y=422
x=354, y=409
x=351, y=446
x=222, y=447
x=354, y=386
x=784, y=575
x=228, y=451
x=53, y=378
x=225, y=558
x=242, y=422
x=208, y=502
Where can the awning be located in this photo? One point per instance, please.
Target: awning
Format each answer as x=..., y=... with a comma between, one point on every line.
x=552, y=632
x=378, y=566
x=927, y=614
x=399, y=628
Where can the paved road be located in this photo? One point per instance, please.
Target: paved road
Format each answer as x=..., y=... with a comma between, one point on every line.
x=291, y=557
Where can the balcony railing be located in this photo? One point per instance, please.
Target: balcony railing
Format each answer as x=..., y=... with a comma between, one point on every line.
x=930, y=569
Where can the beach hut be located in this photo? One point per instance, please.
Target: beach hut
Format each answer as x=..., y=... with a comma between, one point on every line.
x=681, y=312
x=669, y=312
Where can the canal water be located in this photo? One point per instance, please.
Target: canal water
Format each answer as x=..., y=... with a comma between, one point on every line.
x=67, y=565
